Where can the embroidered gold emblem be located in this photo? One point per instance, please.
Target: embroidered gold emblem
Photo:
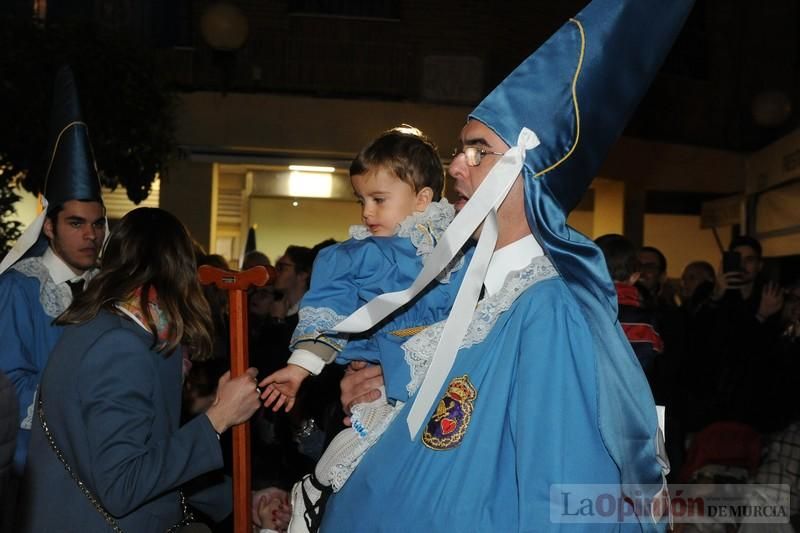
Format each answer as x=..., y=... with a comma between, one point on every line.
x=450, y=420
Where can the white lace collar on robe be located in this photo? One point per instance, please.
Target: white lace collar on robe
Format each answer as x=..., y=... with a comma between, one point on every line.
x=510, y=258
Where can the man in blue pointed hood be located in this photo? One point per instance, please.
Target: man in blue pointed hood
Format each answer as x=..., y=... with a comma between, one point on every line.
x=55, y=256
x=535, y=392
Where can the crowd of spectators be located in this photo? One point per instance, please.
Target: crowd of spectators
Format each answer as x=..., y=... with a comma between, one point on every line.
x=721, y=351
x=720, y=348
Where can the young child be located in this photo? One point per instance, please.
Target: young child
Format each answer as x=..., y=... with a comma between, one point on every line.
x=636, y=320
x=398, y=180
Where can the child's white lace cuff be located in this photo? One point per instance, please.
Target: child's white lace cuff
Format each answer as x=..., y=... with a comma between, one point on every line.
x=308, y=360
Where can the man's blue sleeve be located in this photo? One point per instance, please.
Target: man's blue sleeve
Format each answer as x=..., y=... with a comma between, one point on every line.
x=17, y=354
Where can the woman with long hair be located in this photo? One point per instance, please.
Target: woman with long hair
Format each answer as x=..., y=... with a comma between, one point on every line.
x=107, y=451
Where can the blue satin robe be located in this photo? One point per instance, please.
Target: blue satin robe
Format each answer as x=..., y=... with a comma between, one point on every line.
x=533, y=424
x=28, y=336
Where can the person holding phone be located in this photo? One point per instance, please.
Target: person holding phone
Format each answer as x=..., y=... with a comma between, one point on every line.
x=739, y=327
x=741, y=279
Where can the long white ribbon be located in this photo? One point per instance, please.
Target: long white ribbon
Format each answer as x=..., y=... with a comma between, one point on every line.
x=456, y=326
x=481, y=207
x=26, y=240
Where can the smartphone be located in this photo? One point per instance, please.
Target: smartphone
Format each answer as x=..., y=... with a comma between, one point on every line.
x=731, y=262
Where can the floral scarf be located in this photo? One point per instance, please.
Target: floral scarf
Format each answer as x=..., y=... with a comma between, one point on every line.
x=131, y=307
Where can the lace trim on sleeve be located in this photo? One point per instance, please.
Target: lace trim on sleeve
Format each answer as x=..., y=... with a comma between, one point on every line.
x=313, y=323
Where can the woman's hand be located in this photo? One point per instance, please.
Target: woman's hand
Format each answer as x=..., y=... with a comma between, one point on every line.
x=237, y=399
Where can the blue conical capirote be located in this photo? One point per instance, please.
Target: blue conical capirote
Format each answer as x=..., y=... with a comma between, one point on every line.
x=250, y=244
x=577, y=91
x=70, y=171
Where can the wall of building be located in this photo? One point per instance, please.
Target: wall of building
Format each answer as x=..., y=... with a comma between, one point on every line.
x=773, y=182
x=682, y=241
x=273, y=125
x=188, y=192
x=280, y=223
x=261, y=128
x=673, y=167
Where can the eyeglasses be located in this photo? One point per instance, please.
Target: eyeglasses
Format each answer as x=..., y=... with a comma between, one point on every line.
x=473, y=154
x=282, y=266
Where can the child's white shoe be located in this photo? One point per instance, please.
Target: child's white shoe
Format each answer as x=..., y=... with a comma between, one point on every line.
x=308, y=503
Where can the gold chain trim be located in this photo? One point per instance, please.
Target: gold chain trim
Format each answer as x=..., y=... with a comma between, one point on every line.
x=408, y=332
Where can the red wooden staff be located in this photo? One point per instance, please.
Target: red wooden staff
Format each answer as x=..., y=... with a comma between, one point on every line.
x=237, y=283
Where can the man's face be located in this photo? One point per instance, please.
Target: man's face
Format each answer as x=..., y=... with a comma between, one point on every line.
x=791, y=306
x=751, y=263
x=259, y=301
x=288, y=278
x=78, y=233
x=468, y=178
x=511, y=214
x=651, y=275
x=691, y=278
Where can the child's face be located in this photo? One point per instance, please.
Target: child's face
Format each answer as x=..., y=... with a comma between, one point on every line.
x=386, y=200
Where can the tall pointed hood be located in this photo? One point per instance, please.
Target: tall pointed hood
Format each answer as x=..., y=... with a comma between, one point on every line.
x=577, y=92
x=70, y=170
x=71, y=173
x=250, y=244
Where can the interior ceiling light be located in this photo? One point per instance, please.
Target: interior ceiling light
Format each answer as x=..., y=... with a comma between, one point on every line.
x=311, y=168
x=310, y=184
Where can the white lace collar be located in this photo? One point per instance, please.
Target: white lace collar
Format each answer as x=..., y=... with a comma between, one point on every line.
x=510, y=258
x=424, y=229
x=54, y=296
